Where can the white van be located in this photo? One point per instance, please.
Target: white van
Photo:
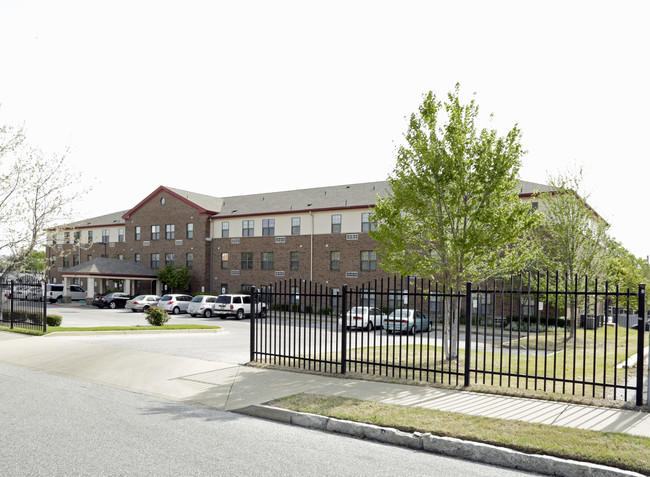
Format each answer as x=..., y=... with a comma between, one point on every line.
x=54, y=291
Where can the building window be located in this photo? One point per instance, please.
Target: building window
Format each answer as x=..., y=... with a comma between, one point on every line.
x=66, y=261
x=138, y=233
x=90, y=236
x=155, y=232
x=247, y=228
x=155, y=260
x=295, y=257
x=267, y=261
x=75, y=260
x=225, y=229
x=336, y=223
x=224, y=260
x=190, y=231
x=368, y=260
x=169, y=259
x=295, y=226
x=120, y=235
x=77, y=237
x=366, y=225
x=66, y=237
x=89, y=258
x=136, y=259
x=247, y=261
x=190, y=261
x=268, y=227
x=170, y=231
x=335, y=260
x=106, y=236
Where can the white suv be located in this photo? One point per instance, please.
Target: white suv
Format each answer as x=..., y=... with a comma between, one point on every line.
x=55, y=291
x=237, y=306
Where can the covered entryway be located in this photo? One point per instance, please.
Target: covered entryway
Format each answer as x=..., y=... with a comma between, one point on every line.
x=92, y=274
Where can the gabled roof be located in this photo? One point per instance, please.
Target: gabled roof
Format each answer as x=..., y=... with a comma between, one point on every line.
x=114, y=218
x=205, y=204
x=111, y=267
x=320, y=198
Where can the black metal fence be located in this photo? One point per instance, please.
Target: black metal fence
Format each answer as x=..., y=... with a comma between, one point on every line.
x=22, y=305
x=544, y=333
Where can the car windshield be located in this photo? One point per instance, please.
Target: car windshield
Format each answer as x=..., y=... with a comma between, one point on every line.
x=139, y=297
x=166, y=298
x=357, y=310
x=223, y=299
x=197, y=299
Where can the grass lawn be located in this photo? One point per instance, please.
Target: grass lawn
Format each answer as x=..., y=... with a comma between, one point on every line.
x=544, y=362
x=623, y=451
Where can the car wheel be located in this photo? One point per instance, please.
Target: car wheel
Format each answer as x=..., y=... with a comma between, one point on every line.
x=371, y=326
x=430, y=327
x=208, y=313
x=145, y=309
x=112, y=305
x=133, y=310
x=223, y=317
x=176, y=310
x=240, y=314
x=413, y=330
x=263, y=313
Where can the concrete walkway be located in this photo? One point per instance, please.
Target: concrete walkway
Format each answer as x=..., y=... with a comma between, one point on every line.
x=230, y=387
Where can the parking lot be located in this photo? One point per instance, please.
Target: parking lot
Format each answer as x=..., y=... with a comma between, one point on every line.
x=230, y=344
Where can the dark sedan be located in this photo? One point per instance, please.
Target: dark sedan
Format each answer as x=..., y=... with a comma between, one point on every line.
x=111, y=300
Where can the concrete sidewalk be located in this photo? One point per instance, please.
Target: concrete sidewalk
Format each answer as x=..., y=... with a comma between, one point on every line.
x=230, y=387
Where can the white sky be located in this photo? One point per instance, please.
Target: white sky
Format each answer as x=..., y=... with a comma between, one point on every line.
x=239, y=97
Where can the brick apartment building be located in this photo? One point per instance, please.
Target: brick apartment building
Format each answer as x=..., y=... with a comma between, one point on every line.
x=229, y=243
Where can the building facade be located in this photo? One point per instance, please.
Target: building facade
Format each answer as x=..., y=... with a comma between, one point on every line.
x=234, y=243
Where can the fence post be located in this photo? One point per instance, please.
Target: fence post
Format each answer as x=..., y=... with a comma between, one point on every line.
x=344, y=325
x=468, y=331
x=11, y=308
x=43, y=290
x=252, y=323
x=640, y=335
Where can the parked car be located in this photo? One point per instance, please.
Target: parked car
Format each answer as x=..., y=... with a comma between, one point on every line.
x=365, y=317
x=238, y=306
x=202, y=305
x=175, y=303
x=410, y=321
x=26, y=292
x=142, y=302
x=55, y=291
x=111, y=300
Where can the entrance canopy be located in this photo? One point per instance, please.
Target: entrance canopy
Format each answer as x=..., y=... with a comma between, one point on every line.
x=112, y=269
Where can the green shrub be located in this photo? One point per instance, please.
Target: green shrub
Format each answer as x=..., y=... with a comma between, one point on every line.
x=54, y=320
x=156, y=316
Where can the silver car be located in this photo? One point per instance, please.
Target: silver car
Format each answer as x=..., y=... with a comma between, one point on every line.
x=175, y=303
x=202, y=305
x=410, y=321
x=142, y=302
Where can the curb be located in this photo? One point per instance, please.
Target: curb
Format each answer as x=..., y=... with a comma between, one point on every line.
x=447, y=446
x=129, y=332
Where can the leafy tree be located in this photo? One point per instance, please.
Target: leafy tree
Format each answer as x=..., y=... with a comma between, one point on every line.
x=175, y=277
x=573, y=238
x=454, y=213
x=35, y=195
